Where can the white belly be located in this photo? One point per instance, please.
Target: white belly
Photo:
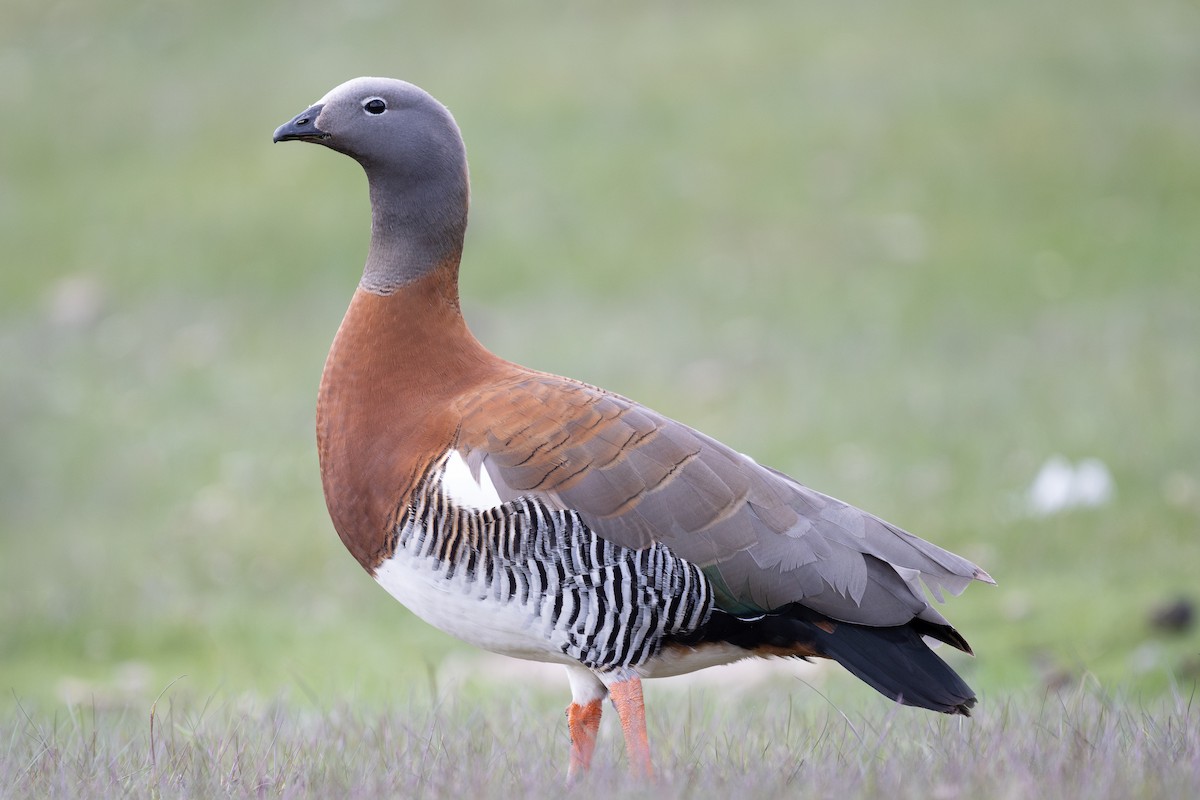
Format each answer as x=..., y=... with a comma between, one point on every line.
x=674, y=661
x=455, y=606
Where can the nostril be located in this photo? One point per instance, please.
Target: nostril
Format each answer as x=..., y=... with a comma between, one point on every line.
x=302, y=121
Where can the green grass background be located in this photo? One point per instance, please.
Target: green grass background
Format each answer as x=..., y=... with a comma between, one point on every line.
x=905, y=252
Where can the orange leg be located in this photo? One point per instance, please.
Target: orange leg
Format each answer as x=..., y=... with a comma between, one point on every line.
x=631, y=708
x=583, y=721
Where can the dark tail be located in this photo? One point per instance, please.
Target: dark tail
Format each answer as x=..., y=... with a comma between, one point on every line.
x=895, y=661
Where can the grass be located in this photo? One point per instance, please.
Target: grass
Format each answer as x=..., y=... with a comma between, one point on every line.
x=905, y=253
x=1079, y=744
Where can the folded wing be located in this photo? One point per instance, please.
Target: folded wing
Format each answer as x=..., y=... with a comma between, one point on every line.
x=763, y=539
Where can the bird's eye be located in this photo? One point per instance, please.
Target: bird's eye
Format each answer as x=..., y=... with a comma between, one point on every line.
x=375, y=106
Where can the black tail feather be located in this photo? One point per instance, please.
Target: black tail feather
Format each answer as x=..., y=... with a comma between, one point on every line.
x=895, y=661
x=898, y=664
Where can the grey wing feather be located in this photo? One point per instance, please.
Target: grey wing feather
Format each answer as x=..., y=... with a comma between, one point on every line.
x=764, y=540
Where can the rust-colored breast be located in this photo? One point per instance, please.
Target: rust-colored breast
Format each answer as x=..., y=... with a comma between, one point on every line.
x=384, y=410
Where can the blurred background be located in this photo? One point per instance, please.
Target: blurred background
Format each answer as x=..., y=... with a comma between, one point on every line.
x=938, y=260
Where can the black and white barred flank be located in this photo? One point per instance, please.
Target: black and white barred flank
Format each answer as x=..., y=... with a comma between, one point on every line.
x=602, y=604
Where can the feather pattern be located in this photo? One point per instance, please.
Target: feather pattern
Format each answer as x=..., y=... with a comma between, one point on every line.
x=560, y=586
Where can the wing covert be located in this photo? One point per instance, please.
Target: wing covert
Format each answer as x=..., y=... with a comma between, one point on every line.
x=635, y=477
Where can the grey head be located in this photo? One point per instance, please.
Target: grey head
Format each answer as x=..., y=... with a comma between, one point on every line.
x=412, y=152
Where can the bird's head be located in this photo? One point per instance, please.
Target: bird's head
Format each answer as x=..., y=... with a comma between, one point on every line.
x=384, y=124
